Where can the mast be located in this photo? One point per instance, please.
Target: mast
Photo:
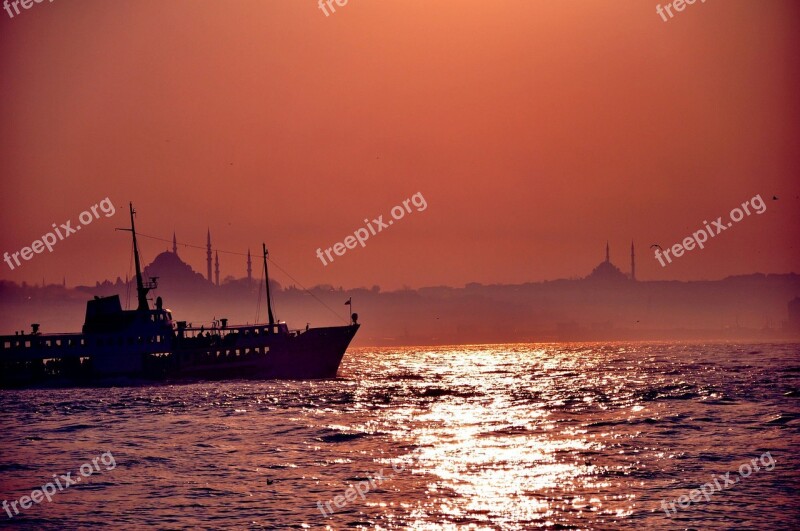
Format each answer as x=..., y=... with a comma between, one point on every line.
x=266, y=280
x=141, y=289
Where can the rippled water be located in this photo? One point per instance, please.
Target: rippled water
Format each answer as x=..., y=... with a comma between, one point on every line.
x=583, y=436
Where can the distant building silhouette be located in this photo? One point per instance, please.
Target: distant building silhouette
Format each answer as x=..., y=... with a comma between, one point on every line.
x=169, y=263
x=216, y=257
x=249, y=268
x=208, y=255
x=608, y=272
x=174, y=273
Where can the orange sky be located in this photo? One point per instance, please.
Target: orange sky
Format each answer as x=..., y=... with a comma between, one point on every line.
x=535, y=131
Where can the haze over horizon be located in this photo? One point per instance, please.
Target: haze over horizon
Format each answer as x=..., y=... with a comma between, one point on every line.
x=535, y=132
x=234, y=261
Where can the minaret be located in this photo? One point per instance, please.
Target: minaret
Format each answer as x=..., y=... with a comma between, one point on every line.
x=217, y=266
x=208, y=255
x=633, y=263
x=249, y=269
x=174, y=243
x=608, y=256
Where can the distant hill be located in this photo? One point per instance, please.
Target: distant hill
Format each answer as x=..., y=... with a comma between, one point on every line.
x=606, y=305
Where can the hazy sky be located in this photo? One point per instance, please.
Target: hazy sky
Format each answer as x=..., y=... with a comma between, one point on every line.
x=534, y=130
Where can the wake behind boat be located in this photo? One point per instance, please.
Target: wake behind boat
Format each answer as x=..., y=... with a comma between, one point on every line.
x=146, y=343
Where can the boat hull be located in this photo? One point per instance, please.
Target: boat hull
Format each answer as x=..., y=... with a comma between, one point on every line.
x=312, y=354
x=255, y=352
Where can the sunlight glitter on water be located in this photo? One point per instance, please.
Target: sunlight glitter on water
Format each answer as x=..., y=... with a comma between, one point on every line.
x=495, y=454
x=507, y=437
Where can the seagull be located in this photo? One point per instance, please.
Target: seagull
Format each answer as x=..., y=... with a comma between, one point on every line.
x=656, y=245
x=774, y=197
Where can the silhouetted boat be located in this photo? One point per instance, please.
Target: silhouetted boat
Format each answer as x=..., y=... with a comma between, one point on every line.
x=148, y=344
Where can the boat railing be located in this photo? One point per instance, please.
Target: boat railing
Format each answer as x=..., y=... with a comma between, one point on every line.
x=225, y=331
x=40, y=341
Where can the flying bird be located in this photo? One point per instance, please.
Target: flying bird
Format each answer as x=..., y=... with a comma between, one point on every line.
x=656, y=245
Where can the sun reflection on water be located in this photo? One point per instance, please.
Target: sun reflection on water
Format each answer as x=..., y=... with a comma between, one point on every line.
x=493, y=440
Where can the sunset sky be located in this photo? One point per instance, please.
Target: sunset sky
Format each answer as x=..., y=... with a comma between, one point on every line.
x=534, y=130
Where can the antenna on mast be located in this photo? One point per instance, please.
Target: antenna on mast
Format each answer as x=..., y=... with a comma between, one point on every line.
x=141, y=288
x=266, y=281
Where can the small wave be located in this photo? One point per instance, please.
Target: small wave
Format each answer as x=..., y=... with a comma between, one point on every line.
x=781, y=419
x=436, y=392
x=723, y=400
x=342, y=437
x=73, y=427
x=280, y=466
x=509, y=431
x=149, y=460
x=681, y=391
x=14, y=467
x=407, y=376
x=604, y=423
x=712, y=458
x=682, y=396
x=290, y=429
